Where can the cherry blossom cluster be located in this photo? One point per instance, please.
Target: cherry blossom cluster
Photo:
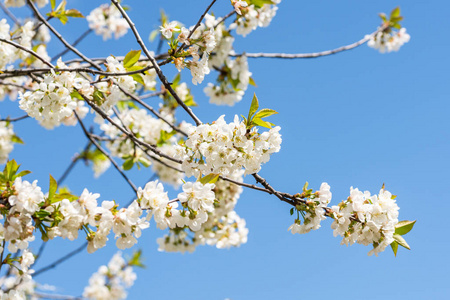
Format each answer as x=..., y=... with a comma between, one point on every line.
x=13, y=85
x=52, y=102
x=202, y=42
x=110, y=281
x=223, y=229
x=251, y=17
x=6, y=142
x=366, y=219
x=196, y=200
x=19, y=284
x=222, y=148
x=313, y=211
x=232, y=82
x=106, y=20
x=388, y=41
x=145, y=127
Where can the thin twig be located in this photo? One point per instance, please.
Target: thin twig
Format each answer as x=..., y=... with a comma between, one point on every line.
x=195, y=27
x=60, y=260
x=59, y=36
x=9, y=14
x=27, y=50
x=314, y=54
x=77, y=41
x=100, y=148
x=15, y=119
x=155, y=64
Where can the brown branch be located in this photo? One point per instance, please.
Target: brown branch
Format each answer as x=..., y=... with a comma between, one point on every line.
x=77, y=41
x=100, y=148
x=314, y=54
x=27, y=50
x=155, y=64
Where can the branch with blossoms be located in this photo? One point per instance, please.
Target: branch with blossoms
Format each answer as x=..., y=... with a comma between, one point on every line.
x=208, y=161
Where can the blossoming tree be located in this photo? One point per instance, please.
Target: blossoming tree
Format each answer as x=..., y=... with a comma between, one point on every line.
x=211, y=163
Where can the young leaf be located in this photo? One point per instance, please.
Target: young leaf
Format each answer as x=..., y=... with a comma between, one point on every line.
x=251, y=81
x=131, y=58
x=128, y=164
x=394, y=246
x=16, y=139
x=259, y=122
x=53, y=4
x=74, y=13
x=264, y=113
x=401, y=241
x=291, y=211
x=253, y=107
x=211, y=178
x=403, y=227
x=52, y=188
x=395, y=13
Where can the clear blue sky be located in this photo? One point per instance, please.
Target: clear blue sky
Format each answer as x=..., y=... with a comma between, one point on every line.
x=358, y=119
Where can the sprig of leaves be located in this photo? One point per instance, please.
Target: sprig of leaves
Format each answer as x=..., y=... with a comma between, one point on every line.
x=255, y=117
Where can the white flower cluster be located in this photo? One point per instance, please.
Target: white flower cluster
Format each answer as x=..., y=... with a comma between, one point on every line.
x=167, y=174
x=107, y=20
x=230, y=91
x=144, y=126
x=388, y=42
x=115, y=66
x=6, y=144
x=314, y=211
x=19, y=284
x=110, y=281
x=366, y=219
x=223, y=229
x=17, y=228
x=19, y=3
x=52, y=104
x=251, y=17
x=222, y=148
x=196, y=199
x=12, y=85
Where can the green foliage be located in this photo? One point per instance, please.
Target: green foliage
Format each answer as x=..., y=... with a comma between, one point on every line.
x=402, y=228
x=255, y=117
x=9, y=173
x=131, y=58
x=136, y=259
x=62, y=14
x=210, y=178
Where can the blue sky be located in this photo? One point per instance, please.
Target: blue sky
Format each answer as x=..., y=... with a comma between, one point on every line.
x=357, y=118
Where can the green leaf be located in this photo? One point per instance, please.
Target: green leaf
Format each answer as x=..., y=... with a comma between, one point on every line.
x=253, y=107
x=259, y=3
x=16, y=139
x=138, y=78
x=131, y=58
x=394, y=246
x=403, y=227
x=291, y=211
x=259, y=122
x=23, y=173
x=401, y=241
x=74, y=13
x=265, y=112
x=61, y=7
x=128, y=164
x=76, y=95
x=52, y=188
x=251, y=81
x=210, y=178
x=145, y=162
x=98, y=96
x=136, y=260
x=176, y=80
x=395, y=13
x=53, y=4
